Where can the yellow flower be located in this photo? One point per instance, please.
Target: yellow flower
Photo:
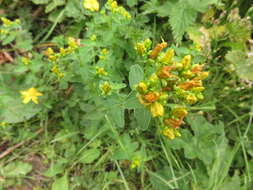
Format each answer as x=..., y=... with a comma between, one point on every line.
x=93, y=37
x=135, y=163
x=101, y=71
x=30, y=94
x=6, y=21
x=91, y=5
x=191, y=99
x=169, y=133
x=179, y=112
x=157, y=109
x=142, y=87
x=106, y=88
x=25, y=60
x=104, y=51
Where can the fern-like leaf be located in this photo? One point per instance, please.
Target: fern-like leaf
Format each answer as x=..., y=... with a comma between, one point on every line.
x=181, y=17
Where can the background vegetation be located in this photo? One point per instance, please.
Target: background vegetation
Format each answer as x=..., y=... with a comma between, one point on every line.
x=83, y=126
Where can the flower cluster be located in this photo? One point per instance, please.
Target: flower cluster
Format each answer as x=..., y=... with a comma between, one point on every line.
x=8, y=26
x=171, y=88
x=54, y=57
x=113, y=6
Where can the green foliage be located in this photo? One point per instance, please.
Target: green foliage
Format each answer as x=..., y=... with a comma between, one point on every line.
x=74, y=108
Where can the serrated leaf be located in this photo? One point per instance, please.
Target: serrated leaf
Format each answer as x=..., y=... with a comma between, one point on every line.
x=61, y=183
x=181, y=17
x=135, y=75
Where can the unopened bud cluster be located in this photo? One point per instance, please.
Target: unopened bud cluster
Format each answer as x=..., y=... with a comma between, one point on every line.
x=171, y=88
x=9, y=27
x=54, y=57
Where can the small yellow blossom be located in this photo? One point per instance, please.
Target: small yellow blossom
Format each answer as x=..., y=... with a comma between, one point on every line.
x=179, y=112
x=93, y=37
x=157, y=109
x=106, y=88
x=56, y=71
x=142, y=87
x=104, y=51
x=3, y=124
x=25, y=60
x=91, y=5
x=101, y=71
x=191, y=99
x=6, y=21
x=135, y=163
x=169, y=133
x=30, y=94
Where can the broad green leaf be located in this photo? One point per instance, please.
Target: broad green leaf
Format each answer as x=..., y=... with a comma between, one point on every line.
x=132, y=101
x=117, y=115
x=143, y=118
x=12, y=110
x=55, y=168
x=132, y=3
x=16, y=169
x=61, y=183
x=135, y=75
x=126, y=149
x=88, y=156
x=243, y=65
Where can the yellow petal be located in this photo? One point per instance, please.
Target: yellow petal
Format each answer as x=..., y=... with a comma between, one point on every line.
x=35, y=100
x=26, y=99
x=157, y=109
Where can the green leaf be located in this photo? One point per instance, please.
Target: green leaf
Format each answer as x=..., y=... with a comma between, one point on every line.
x=52, y=5
x=88, y=156
x=243, y=65
x=135, y=75
x=132, y=101
x=61, y=183
x=132, y=3
x=40, y=1
x=12, y=110
x=55, y=168
x=16, y=169
x=181, y=17
x=143, y=118
x=117, y=115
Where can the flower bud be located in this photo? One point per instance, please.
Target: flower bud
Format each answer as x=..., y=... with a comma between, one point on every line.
x=203, y=75
x=167, y=58
x=157, y=109
x=186, y=61
x=157, y=49
x=179, y=112
x=168, y=132
x=142, y=87
x=191, y=99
